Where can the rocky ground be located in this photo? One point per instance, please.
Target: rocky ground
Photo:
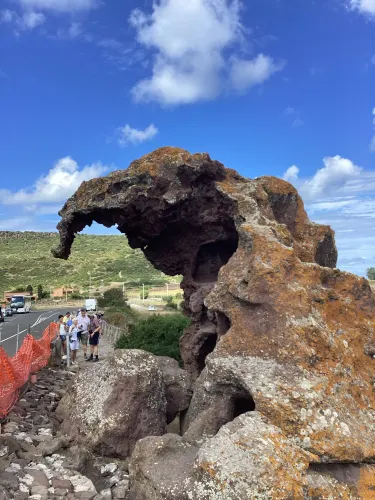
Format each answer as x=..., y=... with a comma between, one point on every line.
x=38, y=463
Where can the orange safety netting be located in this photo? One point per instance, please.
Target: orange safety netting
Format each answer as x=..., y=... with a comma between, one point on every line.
x=14, y=372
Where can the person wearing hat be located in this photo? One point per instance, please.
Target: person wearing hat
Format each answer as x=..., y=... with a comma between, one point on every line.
x=83, y=330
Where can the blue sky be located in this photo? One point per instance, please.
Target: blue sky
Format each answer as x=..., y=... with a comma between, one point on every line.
x=268, y=87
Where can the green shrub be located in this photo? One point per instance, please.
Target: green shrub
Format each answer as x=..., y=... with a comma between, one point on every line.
x=113, y=297
x=121, y=317
x=157, y=334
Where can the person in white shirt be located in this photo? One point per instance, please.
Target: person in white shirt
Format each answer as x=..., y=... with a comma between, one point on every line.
x=62, y=332
x=83, y=330
x=73, y=339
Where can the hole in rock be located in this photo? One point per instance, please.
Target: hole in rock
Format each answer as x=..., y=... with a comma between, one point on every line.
x=211, y=257
x=243, y=405
x=223, y=324
x=205, y=349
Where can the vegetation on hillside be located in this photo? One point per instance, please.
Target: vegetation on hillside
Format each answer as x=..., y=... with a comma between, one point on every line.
x=157, y=334
x=26, y=259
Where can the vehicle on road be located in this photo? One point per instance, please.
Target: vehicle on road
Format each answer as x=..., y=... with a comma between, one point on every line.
x=90, y=304
x=8, y=311
x=20, y=303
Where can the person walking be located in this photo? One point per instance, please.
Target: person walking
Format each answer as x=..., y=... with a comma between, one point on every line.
x=73, y=339
x=83, y=330
x=94, y=332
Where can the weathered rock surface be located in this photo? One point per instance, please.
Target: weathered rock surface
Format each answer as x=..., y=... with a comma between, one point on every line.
x=178, y=386
x=275, y=329
x=122, y=400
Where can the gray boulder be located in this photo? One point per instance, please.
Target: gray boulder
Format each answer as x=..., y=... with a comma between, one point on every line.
x=116, y=404
x=178, y=385
x=248, y=458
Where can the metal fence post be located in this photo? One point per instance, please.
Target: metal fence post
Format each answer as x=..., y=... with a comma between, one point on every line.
x=67, y=349
x=18, y=335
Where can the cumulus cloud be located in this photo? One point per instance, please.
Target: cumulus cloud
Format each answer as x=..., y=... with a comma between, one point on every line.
x=59, y=5
x=366, y=7
x=195, y=45
x=74, y=31
x=291, y=174
x=128, y=135
x=337, y=171
x=60, y=183
x=247, y=73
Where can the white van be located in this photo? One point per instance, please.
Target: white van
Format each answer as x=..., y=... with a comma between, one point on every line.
x=90, y=304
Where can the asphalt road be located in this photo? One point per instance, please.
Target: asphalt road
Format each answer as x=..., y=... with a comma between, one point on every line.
x=37, y=320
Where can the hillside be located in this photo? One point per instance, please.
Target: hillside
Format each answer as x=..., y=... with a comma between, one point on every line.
x=25, y=258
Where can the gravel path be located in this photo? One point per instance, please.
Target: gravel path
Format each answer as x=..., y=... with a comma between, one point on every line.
x=38, y=463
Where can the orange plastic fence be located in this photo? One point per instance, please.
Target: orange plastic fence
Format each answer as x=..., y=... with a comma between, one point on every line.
x=15, y=372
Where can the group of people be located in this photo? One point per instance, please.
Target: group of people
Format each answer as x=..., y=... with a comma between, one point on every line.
x=81, y=330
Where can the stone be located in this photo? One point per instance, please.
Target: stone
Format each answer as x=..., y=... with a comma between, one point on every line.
x=39, y=476
x=9, y=481
x=10, y=427
x=78, y=458
x=151, y=464
x=106, y=494
x=178, y=386
x=3, y=451
x=47, y=448
x=62, y=484
x=60, y=492
x=41, y=491
x=276, y=329
x=108, y=469
x=120, y=491
x=122, y=401
x=82, y=484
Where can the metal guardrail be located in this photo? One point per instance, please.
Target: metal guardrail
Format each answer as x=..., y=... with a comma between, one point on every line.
x=113, y=333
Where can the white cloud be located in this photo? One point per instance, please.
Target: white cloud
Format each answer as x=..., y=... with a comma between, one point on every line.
x=336, y=173
x=31, y=20
x=7, y=16
x=27, y=21
x=195, y=44
x=74, y=31
x=297, y=122
x=366, y=7
x=60, y=183
x=128, y=135
x=373, y=59
x=291, y=174
x=59, y=5
x=247, y=73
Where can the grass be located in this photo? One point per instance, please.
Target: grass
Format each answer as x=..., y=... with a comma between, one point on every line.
x=157, y=334
x=25, y=259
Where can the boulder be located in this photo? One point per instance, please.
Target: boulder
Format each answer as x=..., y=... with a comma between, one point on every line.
x=276, y=328
x=178, y=385
x=122, y=400
x=161, y=468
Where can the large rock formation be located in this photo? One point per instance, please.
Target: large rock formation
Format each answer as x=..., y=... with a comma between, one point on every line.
x=276, y=328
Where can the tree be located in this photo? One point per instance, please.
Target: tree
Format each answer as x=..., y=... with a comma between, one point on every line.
x=40, y=292
x=19, y=288
x=29, y=289
x=112, y=298
x=371, y=273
